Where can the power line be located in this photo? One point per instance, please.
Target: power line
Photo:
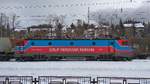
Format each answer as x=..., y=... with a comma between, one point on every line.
x=60, y=6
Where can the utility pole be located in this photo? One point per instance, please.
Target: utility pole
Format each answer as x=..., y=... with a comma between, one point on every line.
x=88, y=15
x=13, y=25
x=1, y=18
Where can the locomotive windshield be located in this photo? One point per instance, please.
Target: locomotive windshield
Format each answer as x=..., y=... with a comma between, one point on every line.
x=125, y=43
x=20, y=42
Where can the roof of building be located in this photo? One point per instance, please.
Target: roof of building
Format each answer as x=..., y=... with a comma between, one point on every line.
x=136, y=25
x=128, y=25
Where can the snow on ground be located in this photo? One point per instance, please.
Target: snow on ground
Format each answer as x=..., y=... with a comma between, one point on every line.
x=135, y=68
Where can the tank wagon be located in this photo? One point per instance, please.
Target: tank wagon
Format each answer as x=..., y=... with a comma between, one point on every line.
x=6, y=49
x=100, y=49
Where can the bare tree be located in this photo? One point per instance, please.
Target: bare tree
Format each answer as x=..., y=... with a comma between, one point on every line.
x=56, y=22
x=14, y=23
x=4, y=25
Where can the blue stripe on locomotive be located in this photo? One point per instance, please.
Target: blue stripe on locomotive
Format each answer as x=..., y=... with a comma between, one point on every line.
x=78, y=43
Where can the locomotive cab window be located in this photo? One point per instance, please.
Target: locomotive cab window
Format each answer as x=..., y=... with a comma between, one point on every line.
x=125, y=43
x=20, y=43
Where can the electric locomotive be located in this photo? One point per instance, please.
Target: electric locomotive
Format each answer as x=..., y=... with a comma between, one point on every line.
x=96, y=49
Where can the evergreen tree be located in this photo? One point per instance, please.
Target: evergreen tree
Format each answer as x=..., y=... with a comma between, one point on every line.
x=122, y=29
x=59, y=31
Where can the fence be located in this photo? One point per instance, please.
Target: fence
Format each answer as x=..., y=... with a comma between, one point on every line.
x=122, y=80
x=64, y=80
x=71, y=80
x=16, y=79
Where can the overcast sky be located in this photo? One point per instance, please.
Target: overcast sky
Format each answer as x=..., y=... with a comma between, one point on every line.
x=36, y=11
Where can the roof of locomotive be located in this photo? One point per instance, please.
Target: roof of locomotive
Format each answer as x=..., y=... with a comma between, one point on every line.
x=78, y=39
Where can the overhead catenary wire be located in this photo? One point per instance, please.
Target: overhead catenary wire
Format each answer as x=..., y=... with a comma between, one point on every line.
x=60, y=5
